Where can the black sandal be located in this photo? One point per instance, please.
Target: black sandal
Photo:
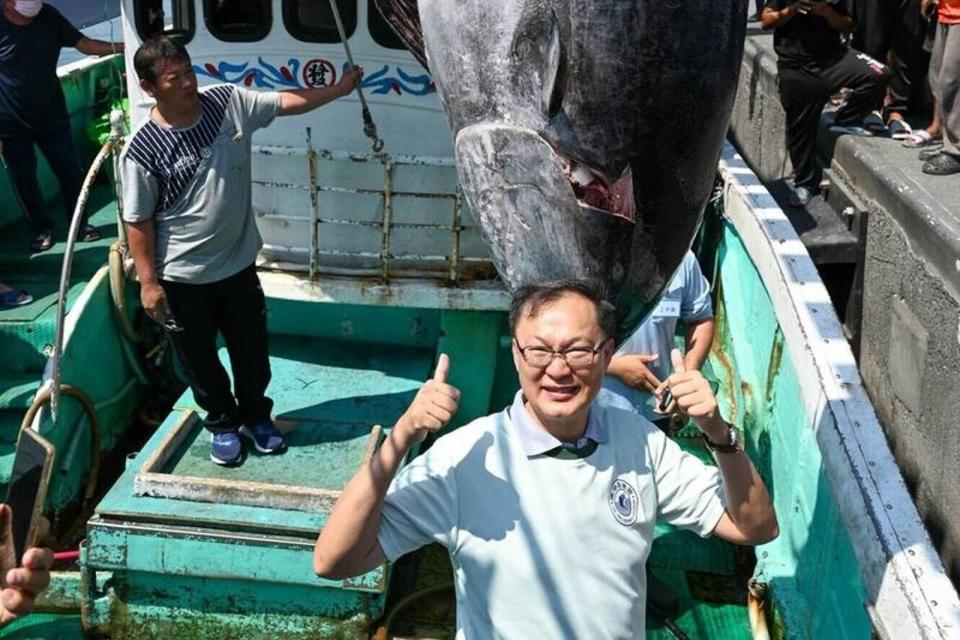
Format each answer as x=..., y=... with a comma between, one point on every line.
x=942, y=164
x=88, y=233
x=42, y=241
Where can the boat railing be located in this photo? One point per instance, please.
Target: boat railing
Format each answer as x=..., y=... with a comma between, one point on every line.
x=365, y=215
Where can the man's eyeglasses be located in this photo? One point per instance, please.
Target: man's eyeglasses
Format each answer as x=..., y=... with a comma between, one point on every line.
x=575, y=357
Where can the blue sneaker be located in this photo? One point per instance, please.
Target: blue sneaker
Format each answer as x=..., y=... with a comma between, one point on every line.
x=264, y=437
x=225, y=447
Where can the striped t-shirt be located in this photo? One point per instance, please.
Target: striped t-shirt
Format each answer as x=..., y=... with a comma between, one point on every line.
x=194, y=183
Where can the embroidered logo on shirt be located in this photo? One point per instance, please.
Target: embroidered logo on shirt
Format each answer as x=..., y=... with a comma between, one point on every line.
x=624, y=502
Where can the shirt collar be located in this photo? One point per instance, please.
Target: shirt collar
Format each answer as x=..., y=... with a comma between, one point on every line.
x=536, y=440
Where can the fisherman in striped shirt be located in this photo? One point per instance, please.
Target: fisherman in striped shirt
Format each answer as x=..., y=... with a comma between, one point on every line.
x=191, y=230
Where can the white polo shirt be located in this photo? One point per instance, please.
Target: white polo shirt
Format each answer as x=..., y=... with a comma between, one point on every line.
x=686, y=298
x=544, y=546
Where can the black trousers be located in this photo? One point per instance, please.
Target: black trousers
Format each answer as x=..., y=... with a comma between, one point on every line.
x=234, y=307
x=804, y=92
x=895, y=26
x=21, y=162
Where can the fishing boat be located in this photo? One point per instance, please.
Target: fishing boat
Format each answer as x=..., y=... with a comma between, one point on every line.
x=373, y=265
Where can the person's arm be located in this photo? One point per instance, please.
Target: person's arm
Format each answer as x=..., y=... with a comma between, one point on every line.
x=92, y=47
x=749, y=517
x=699, y=337
x=771, y=18
x=632, y=370
x=347, y=545
x=836, y=20
x=297, y=101
x=141, y=238
x=19, y=586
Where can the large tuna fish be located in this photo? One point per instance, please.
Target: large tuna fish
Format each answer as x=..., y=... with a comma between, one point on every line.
x=587, y=131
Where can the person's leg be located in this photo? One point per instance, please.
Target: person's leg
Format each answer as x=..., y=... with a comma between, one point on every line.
x=803, y=95
x=242, y=319
x=871, y=33
x=21, y=163
x=947, y=44
x=933, y=77
x=867, y=80
x=907, y=46
x=949, y=89
x=61, y=155
x=194, y=334
x=933, y=129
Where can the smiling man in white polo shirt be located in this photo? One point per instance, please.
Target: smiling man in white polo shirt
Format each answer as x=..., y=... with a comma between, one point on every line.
x=548, y=507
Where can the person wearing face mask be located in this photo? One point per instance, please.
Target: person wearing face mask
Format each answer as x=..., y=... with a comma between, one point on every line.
x=33, y=110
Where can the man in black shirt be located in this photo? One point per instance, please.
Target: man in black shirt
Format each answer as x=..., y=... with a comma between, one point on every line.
x=33, y=110
x=813, y=63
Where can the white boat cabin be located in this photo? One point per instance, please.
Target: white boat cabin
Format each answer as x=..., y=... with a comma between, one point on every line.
x=326, y=204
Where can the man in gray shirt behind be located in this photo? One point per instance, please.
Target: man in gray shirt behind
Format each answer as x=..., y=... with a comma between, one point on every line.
x=190, y=225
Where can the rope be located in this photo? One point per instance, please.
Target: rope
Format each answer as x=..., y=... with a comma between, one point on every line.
x=117, y=295
x=369, y=126
x=44, y=397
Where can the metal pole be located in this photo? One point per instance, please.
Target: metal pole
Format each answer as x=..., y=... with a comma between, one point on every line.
x=65, y=272
x=369, y=126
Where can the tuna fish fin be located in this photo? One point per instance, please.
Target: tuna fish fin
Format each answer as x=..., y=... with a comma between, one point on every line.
x=404, y=18
x=538, y=55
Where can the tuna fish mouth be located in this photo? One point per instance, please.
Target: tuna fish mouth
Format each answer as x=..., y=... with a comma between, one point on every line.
x=544, y=215
x=593, y=189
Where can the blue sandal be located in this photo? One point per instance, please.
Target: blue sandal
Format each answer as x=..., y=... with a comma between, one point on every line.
x=15, y=298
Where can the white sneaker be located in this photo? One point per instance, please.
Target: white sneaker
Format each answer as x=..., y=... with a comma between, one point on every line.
x=800, y=197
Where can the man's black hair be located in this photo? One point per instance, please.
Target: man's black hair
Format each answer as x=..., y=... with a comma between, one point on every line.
x=153, y=51
x=531, y=298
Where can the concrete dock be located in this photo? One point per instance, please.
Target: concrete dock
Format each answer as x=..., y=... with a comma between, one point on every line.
x=886, y=238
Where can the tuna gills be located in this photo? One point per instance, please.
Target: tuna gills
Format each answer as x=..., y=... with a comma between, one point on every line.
x=587, y=131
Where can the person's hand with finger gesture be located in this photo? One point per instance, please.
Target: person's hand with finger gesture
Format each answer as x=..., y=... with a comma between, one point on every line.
x=693, y=396
x=633, y=371
x=19, y=586
x=433, y=407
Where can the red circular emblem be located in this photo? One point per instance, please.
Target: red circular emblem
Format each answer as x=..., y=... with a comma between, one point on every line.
x=319, y=73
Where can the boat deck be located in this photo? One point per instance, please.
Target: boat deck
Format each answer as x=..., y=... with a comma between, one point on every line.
x=178, y=509
x=324, y=397
x=26, y=331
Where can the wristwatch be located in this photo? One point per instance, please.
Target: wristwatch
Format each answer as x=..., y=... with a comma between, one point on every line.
x=733, y=444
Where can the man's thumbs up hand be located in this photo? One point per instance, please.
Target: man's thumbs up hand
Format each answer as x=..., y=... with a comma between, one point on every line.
x=693, y=395
x=443, y=368
x=433, y=407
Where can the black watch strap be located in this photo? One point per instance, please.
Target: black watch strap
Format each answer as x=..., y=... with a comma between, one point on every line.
x=733, y=445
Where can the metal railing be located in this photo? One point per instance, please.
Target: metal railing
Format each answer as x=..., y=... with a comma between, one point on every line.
x=349, y=240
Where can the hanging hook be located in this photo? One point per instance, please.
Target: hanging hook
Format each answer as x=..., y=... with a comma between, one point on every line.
x=369, y=126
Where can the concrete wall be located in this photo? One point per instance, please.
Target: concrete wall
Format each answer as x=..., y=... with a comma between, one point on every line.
x=910, y=362
x=757, y=124
x=910, y=341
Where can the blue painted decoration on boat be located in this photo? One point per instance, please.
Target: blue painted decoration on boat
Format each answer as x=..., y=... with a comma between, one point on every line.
x=315, y=73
